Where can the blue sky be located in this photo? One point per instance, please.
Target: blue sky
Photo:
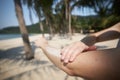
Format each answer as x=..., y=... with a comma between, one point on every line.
x=8, y=16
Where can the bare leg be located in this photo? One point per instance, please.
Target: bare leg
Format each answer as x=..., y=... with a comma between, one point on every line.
x=95, y=65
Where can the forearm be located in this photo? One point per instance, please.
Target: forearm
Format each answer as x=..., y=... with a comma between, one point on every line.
x=53, y=55
x=106, y=34
x=90, y=65
x=89, y=40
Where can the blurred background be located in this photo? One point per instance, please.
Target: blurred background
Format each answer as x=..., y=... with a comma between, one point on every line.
x=60, y=16
x=23, y=21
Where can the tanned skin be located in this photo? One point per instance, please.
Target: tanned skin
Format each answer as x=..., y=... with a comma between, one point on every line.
x=89, y=64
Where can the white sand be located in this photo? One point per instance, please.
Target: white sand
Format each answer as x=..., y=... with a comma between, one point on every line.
x=14, y=67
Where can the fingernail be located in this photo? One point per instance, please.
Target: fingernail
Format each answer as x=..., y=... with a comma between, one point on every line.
x=62, y=58
x=66, y=61
x=71, y=59
x=60, y=53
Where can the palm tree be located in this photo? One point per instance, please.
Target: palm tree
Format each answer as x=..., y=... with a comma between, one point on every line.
x=101, y=7
x=33, y=5
x=42, y=8
x=116, y=7
x=68, y=16
x=47, y=10
x=40, y=15
x=61, y=17
x=24, y=33
x=65, y=8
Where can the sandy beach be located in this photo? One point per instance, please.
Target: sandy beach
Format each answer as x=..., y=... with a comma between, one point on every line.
x=14, y=67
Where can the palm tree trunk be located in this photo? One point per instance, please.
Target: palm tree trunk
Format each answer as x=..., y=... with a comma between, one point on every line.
x=50, y=28
x=68, y=17
x=41, y=27
x=66, y=9
x=23, y=30
x=69, y=23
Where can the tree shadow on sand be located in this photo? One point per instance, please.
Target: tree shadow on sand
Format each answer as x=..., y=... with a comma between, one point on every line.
x=12, y=60
x=16, y=55
x=40, y=70
x=39, y=73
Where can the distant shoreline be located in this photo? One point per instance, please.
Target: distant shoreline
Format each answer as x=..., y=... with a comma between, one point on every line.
x=11, y=36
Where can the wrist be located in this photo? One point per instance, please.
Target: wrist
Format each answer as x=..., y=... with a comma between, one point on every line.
x=44, y=46
x=89, y=40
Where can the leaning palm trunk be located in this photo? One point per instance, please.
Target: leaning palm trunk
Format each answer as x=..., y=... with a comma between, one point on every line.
x=69, y=23
x=23, y=30
x=50, y=29
x=41, y=28
x=68, y=17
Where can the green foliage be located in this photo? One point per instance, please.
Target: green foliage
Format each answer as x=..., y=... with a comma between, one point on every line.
x=108, y=12
x=78, y=23
x=111, y=20
x=31, y=29
x=106, y=15
x=11, y=29
x=116, y=7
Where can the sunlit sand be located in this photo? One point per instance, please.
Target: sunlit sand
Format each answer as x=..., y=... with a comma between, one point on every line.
x=14, y=67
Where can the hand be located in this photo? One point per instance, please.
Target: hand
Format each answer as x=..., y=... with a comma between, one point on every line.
x=69, y=53
x=41, y=42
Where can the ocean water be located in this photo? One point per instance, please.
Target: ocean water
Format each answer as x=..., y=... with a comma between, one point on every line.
x=10, y=36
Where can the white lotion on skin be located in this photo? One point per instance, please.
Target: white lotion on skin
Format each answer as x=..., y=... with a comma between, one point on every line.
x=53, y=51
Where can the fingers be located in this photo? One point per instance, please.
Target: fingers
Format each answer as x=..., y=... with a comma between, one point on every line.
x=75, y=54
x=64, y=51
x=68, y=54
